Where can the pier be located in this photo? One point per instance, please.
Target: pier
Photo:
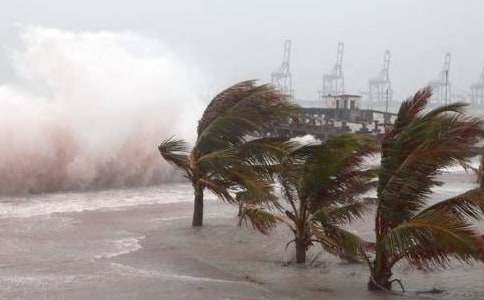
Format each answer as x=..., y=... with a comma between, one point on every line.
x=342, y=116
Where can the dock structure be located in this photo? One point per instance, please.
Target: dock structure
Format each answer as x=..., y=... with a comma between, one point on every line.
x=343, y=116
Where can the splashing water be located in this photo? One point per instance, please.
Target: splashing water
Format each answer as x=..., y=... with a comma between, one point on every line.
x=87, y=109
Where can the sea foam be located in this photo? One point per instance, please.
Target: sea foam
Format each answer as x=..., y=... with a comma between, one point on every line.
x=85, y=110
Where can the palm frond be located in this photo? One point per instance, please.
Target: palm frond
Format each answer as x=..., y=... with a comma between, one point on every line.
x=341, y=242
x=467, y=205
x=456, y=107
x=175, y=152
x=266, y=153
x=413, y=156
x=220, y=188
x=220, y=162
x=335, y=171
x=267, y=199
x=257, y=187
x=260, y=219
x=223, y=154
x=431, y=239
x=346, y=213
x=413, y=153
x=410, y=108
x=243, y=110
x=224, y=101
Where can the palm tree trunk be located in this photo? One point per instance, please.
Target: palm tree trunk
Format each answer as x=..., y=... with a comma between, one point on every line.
x=300, y=251
x=239, y=213
x=380, y=282
x=381, y=271
x=198, y=206
x=380, y=274
x=480, y=172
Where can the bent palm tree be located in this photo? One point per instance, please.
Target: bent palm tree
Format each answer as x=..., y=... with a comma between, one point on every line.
x=226, y=155
x=414, y=153
x=320, y=184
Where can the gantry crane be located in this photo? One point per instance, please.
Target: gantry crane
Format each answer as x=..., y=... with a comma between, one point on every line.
x=333, y=82
x=380, y=87
x=477, y=90
x=441, y=85
x=281, y=78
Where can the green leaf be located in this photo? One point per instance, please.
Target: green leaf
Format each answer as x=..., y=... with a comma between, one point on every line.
x=431, y=239
x=176, y=153
x=260, y=219
x=466, y=205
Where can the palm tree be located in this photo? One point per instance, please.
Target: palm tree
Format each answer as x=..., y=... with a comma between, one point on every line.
x=319, y=184
x=227, y=156
x=414, y=152
x=480, y=172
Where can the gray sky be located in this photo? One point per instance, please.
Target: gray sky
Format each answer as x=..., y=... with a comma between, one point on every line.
x=234, y=40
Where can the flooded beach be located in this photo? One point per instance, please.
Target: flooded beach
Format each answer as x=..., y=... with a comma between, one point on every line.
x=138, y=244
x=263, y=150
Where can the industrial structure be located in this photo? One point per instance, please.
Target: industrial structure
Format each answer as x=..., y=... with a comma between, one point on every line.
x=477, y=91
x=343, y=101
x=441, y=85
x=325, y=122
x=380, y=87
x=333, y=82
x=282, y=79
x=338, y=112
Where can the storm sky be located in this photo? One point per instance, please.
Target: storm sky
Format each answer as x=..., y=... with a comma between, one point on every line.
x=234, y=40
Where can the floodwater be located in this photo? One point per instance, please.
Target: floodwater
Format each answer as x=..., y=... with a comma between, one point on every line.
x=138, y=244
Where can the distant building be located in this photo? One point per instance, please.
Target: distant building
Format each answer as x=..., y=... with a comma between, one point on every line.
x=342, y=101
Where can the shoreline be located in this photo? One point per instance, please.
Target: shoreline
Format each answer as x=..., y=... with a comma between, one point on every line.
x=150, y=251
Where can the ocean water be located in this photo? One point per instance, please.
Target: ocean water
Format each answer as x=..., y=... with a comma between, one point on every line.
x=138, y=244
x=46, y=204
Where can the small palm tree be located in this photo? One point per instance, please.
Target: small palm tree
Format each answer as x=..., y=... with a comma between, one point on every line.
x=414, y=152
x=227, y=156
x=319, y=184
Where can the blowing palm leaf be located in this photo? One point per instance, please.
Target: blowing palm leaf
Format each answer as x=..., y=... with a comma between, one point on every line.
x=229, y=154
x=320, y=184
x=415, y=152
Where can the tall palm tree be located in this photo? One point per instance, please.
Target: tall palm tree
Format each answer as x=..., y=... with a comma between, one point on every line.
x=227, y=155
x=414, y=152
x=319, y=184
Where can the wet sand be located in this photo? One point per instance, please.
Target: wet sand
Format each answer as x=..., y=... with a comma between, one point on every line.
x=149, y=251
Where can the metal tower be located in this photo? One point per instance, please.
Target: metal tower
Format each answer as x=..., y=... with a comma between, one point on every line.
x=477, y=90
x=441, y=85
x=380, y=87
x=281, y=79
x=334, y=83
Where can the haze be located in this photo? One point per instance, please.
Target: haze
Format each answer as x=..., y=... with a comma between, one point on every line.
x=88, y=89
x=233, y=40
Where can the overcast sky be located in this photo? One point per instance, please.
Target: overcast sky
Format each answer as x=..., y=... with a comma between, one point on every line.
x=234, y=40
